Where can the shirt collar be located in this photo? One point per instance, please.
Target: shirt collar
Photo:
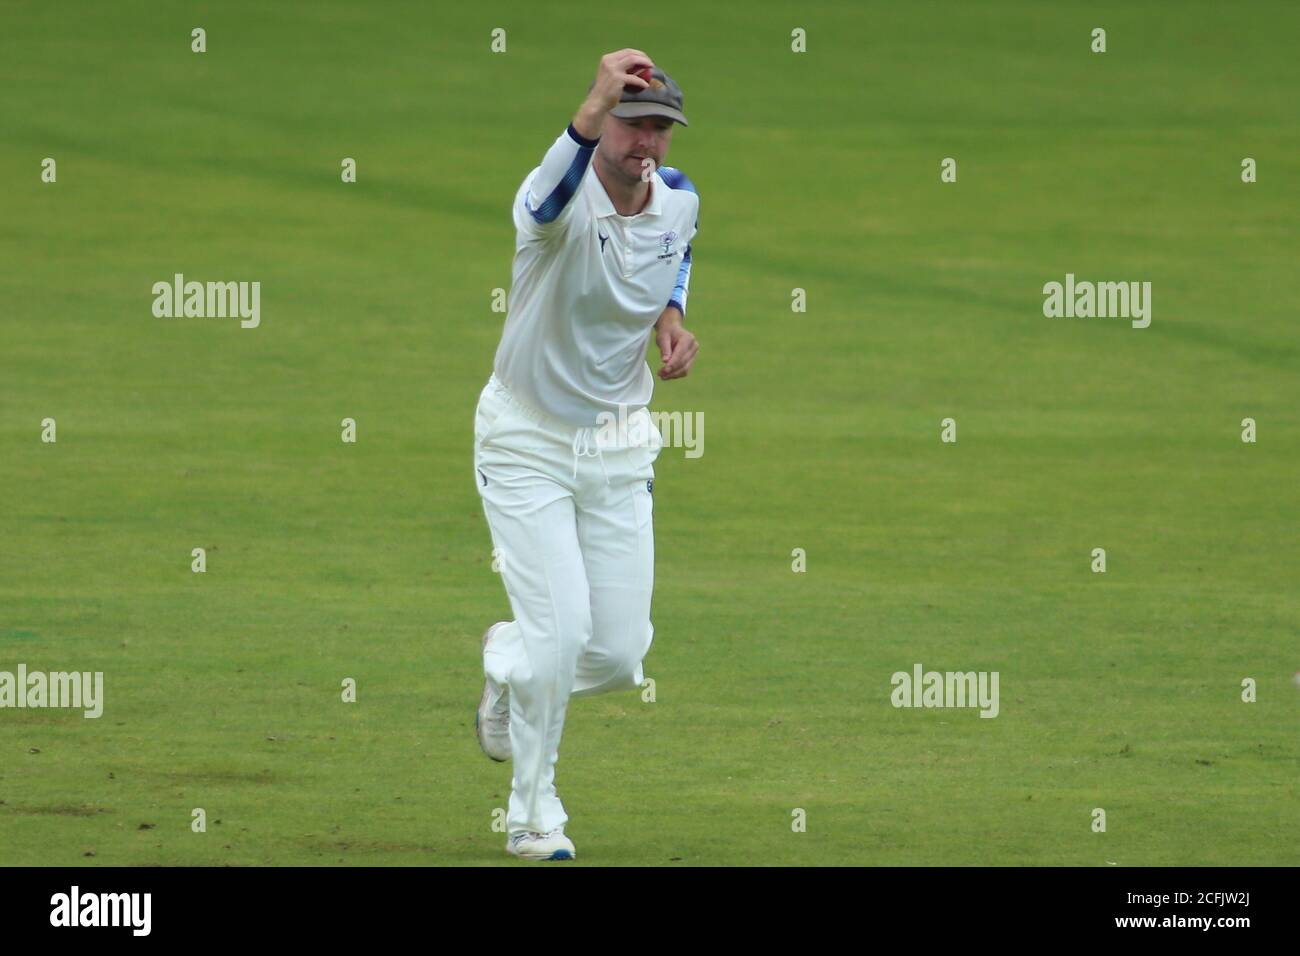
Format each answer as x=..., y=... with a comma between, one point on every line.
x=603, y=207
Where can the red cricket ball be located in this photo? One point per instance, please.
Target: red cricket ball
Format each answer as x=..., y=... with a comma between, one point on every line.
x=645, y=74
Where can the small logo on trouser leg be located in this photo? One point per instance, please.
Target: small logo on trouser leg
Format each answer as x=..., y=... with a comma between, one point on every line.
x=481, y=475
x=650, y=485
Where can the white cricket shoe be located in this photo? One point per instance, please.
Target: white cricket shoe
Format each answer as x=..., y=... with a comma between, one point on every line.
x=542, y=846
x=492, y=722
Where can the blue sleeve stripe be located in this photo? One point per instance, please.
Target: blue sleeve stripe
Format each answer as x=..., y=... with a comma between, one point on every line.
x=676, y=179
x=554, y=204
x=681, y=289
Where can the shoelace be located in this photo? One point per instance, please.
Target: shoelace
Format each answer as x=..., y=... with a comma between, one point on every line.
x=586, y=445
x=540, y=836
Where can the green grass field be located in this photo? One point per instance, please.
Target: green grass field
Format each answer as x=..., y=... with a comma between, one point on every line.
x=818, y=171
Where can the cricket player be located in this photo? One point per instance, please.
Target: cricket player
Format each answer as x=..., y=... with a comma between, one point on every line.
x=564, y=446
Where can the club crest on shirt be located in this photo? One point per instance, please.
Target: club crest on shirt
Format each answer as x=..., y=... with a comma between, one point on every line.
x=666, y=240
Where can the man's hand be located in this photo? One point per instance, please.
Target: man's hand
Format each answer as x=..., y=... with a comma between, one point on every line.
x=677, y=346
x=614, y=73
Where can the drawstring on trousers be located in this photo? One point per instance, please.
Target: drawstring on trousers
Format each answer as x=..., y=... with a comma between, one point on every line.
x=586, y=445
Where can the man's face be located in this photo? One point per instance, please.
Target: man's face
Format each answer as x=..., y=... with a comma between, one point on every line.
x=624, y=143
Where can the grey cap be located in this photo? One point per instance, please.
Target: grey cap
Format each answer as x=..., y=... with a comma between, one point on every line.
x=663, y=97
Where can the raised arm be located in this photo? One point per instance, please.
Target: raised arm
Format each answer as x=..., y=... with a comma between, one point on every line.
x=545, y=206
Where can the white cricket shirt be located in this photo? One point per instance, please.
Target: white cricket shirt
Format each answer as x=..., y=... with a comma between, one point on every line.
x=588, y=285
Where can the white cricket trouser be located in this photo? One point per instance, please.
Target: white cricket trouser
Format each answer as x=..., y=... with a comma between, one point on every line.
x=570, y=513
